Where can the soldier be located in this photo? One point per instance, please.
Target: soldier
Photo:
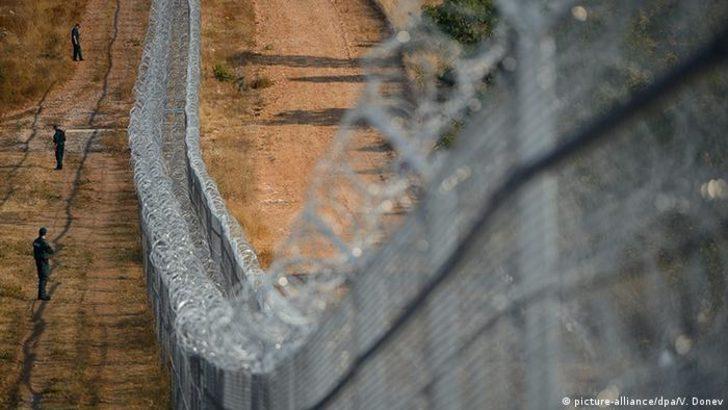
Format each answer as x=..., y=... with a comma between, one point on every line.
x=41, y=252
x=59, y=140
x=76, y=41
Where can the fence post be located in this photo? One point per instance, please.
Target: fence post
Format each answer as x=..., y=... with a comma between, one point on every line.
x=538, y=216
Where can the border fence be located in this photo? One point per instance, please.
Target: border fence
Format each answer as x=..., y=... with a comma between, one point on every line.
x=569, y=245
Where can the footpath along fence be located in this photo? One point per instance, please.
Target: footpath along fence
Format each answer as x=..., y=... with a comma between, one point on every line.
x=569, y=244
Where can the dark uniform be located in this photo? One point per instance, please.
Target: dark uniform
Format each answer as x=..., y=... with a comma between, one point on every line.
x=41, y=252
x=76, y=41
x=59, y=139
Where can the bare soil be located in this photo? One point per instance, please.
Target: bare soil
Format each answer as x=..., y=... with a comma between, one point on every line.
x=93, y=344
x=261, y=143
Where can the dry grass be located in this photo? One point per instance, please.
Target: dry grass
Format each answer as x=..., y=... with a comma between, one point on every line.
x=34, y=47
x=259, y=82
x=12, y=250
x=264, y=125
x=228, y=95
x=115, y=142
x=399, y=11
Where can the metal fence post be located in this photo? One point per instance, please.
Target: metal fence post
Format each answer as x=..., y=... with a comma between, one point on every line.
x=538, y=216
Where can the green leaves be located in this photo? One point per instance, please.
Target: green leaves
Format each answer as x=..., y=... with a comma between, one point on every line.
x=467, y=21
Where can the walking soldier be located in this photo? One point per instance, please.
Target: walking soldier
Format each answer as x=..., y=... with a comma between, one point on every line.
x=76, y=41
x=42, y=252
x=59, y=140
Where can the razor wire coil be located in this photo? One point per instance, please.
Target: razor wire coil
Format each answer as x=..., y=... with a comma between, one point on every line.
x=445, y=307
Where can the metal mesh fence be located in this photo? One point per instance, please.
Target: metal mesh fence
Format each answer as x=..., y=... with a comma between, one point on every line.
x=571, y=242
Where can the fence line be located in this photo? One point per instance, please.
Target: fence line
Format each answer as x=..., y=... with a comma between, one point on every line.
x=438, y=315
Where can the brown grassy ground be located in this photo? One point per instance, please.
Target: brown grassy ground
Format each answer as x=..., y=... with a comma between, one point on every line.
x=228, y=27
x=93, y=344
x=289, y=71
x=35, y=47
x=398, y=11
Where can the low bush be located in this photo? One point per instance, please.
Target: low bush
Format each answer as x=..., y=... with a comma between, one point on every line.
x=467, y=21
x=223, y=73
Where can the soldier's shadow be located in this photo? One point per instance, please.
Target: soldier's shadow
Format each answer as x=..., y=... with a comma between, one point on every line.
x=29, y=346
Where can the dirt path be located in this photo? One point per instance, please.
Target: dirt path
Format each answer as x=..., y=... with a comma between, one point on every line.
x=263, y=158
x=93, y=344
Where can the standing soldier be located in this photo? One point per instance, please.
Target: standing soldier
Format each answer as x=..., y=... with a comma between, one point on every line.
x=42, y=252
x=59, y=140
x=76, y=41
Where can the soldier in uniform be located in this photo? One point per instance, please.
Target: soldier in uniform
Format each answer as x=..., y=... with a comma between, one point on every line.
x=42, y=252
x=76, y=41
x=59, y=140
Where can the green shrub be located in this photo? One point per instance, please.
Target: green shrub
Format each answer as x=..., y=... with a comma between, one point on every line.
x=222, y=73
x=448, y=138
x=467, y=21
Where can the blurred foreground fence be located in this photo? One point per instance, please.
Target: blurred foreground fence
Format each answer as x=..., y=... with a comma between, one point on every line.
x=570, y=241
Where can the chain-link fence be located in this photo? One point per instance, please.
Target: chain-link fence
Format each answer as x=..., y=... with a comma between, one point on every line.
x=567, y=243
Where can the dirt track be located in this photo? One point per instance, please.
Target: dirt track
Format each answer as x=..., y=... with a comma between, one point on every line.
x=93, y=343
x=310, y=50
